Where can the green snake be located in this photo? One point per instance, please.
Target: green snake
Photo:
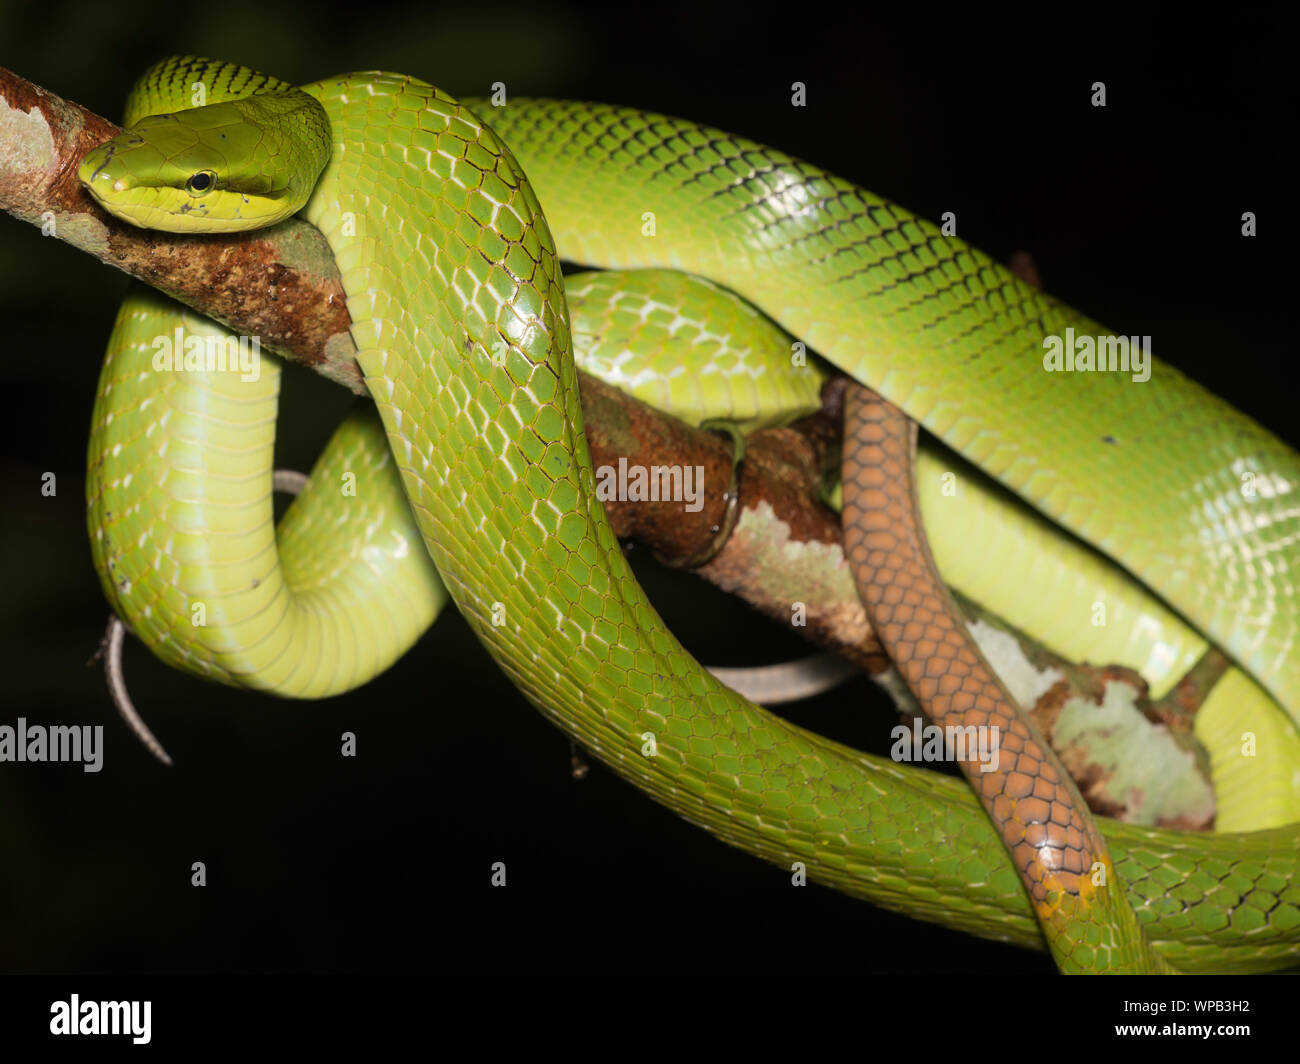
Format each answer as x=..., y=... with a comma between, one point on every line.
x=459, y=316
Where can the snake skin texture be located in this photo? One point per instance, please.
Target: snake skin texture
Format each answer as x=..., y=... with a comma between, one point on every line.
x=453, y=284
x=1193, y=497
x=1045, y=825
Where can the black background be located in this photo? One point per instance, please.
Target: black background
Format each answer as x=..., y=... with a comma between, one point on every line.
x=381, y=862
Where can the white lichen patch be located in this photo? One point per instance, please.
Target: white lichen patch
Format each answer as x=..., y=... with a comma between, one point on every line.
x=1025, y=683
x=1156, y=779
x=25, y=139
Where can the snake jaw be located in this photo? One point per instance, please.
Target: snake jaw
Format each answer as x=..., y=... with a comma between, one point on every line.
x=194, y=171
x=108, y=175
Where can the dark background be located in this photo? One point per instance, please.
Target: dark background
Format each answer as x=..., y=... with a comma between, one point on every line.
x=315, y=862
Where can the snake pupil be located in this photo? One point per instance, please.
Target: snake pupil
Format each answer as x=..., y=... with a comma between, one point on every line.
x=201, y=182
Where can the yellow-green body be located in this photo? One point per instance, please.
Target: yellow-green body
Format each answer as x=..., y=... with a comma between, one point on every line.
x=459, y=316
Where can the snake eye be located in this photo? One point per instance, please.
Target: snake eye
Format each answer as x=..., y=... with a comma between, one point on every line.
x=201, y=183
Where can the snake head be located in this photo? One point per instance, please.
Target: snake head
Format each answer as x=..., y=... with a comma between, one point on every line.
x=242, y=164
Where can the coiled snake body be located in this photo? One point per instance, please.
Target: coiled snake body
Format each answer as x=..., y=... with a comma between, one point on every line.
x=458, y=309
